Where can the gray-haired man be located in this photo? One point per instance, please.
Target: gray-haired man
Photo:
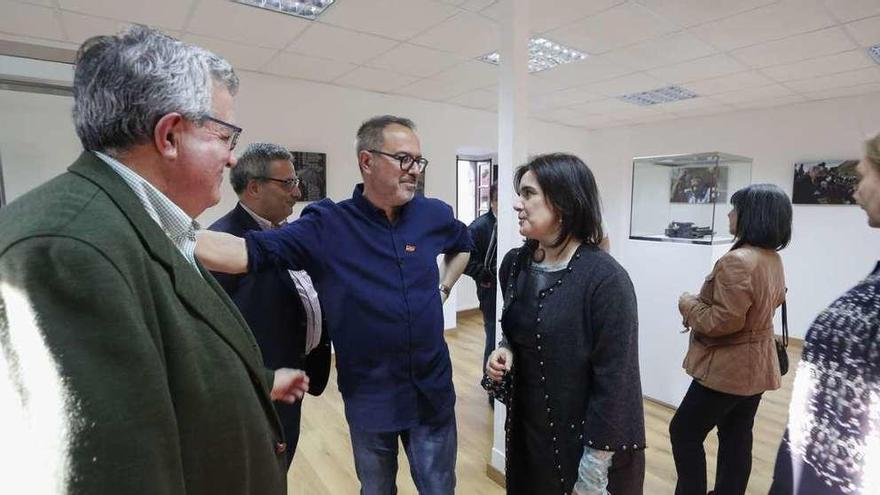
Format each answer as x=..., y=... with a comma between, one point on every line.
x=111, y=333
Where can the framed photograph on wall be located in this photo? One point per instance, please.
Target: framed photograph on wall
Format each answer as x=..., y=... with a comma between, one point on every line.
x=311, y=168
x=825, y=182
x=485, y=171
x=698, y=185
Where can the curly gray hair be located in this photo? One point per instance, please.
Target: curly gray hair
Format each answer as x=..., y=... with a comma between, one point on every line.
x=254, y=162
x=125, y=83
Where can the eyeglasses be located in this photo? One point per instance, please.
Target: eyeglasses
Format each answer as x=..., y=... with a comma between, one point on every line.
x=287, y=184
x=406, y=160
x=232, y=139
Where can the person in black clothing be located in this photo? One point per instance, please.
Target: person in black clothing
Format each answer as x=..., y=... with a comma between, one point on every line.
x=481, y=266
x=575, y=420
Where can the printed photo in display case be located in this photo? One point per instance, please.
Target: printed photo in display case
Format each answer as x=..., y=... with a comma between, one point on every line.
x=828, y=182
x=311, y=168
x=698, y=185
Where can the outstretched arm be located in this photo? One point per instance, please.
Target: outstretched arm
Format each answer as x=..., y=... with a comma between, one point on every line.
x=221, y=252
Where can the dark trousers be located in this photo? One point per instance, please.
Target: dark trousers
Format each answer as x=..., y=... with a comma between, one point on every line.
x=487, y=307
x=430, y=448
x=701, y=410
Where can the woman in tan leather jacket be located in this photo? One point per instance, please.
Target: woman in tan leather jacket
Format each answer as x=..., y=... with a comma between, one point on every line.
x=732, y=355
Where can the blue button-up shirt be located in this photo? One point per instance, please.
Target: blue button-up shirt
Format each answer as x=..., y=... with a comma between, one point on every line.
x=378, y=283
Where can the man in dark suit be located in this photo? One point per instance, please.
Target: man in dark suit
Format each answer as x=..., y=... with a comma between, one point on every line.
x=481, y=267
x=125, y=367
x=281, y=307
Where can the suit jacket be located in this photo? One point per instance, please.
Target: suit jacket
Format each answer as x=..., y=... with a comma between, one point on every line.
x=731, y=346
x=269, y=302
x=164, y=390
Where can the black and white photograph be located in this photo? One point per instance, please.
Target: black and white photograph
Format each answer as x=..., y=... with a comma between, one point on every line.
x=311, y=168
x=698, y=185
x=826, y=182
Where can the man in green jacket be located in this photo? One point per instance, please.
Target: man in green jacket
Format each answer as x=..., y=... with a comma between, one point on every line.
x=126, y=367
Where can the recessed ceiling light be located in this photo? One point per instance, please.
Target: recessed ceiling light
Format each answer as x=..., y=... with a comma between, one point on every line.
x=659, y=95
x=874, y=52
x=307, y=9
x=543, y=54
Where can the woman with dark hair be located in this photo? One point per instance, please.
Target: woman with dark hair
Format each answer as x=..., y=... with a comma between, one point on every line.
x=732, y=353
x=575, y=421
x=832, y=443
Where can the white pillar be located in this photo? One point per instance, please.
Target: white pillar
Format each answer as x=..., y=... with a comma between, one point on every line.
x=512, y=152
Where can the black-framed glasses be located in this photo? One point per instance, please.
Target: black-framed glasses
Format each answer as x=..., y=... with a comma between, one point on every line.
x=287, y=184
x=232, y=139
x=406, y=160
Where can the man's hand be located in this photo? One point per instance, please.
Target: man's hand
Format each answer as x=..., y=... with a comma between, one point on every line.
x=290, y=385
x=500, y=361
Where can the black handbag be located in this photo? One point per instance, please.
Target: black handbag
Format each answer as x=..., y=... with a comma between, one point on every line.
x=501, y=391
x=782, y=345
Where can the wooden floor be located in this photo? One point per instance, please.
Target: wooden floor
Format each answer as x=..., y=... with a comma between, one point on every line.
x=324, y=465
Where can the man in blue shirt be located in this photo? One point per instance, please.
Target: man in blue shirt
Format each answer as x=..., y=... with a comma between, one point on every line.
x=373, y=259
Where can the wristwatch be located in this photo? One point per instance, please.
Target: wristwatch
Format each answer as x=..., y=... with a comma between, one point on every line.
x=444, y=289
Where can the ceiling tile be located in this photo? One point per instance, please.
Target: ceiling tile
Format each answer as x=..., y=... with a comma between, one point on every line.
x=862, y=89
x=866, y=32
x=467, y=34
x=469, y=75
x=665, y=50
x=453, y=2
x=820, y=66
x=415, y=60
x=693, y=12
x=620, y=26
x=562, y=98
x=65, y=45
x=770, y=102
x=169, y=14
x=704, y=68
x=339, y=44
x=374, y=79
x=430, y=89
x=242, y=57
x=606, y=106
x=305, y=67
x=776, y=21
x=753, y=94
x=732, y=82
x=44, y=3
x=537, y=84
x=839, y=80
x=481, y=98
x=253, y=26
x=476, y=5
x=30, y=20
x=577, y=119
x=798, y=47
x=632, y=83
x=551, y=14
x=81, y=27
x=582, y=72
x=397, y=19
x=695, y=106
x=851, y=10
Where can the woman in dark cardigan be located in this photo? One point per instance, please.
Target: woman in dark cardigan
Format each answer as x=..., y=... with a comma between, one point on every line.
x=575, y=423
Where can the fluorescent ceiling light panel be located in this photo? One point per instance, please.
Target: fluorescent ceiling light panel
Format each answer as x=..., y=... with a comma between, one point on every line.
x=543, y=54
x=659, y=95
x=874, y=52
x=307, y=9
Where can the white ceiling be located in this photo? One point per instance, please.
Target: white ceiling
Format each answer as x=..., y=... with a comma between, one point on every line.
x=735, y=54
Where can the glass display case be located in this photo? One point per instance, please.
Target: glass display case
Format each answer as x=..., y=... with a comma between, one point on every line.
x=685, y=198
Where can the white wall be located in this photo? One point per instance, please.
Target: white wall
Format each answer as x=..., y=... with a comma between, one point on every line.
x=831, y=249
